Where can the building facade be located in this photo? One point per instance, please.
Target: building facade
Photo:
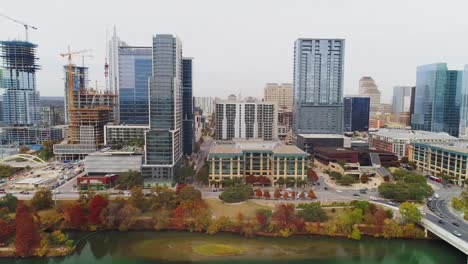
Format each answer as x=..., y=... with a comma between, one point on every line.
x=318, y=86
x=282, y=94
x=356, y=113
x=134, y=70
x=20, y=98
x=19, y=136
x=268, y=159
x=398, y=140
x=368, y=88
x=206, y=104
x=246, y=119
x=188, y=123
x=463, y=131
x=124, y=133
x=437, y=99
x=80, y=81
x=433, y=159
x=163, y=148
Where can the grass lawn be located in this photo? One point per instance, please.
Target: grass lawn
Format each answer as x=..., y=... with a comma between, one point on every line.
x=218, y=208
x=217, y=250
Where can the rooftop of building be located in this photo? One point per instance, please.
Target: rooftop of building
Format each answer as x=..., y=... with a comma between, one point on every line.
x=128, y=150
x=332, y=150
x=238, y=146
x=245, y=101
x=321, y=135
x=457, y=147
x=412, y=134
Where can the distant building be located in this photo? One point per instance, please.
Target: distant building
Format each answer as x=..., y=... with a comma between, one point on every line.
x=188, y=124
x=20, y=98
x=463, y=132
x=51, y=116
x=437, y=99
x=356, y=113
x=30, y=135
x=308, y=142
x=403, y=96
x=206, y=104
x=367, y=87
x=439, y=158
x=398, y=140
x=246, y=119
x=271, y=160
x=282, y=94
x=318, y=86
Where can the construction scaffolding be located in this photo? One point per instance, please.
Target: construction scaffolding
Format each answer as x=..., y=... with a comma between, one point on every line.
x=19, y=55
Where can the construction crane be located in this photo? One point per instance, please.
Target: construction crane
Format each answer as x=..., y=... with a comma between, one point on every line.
x=26, y=26
x=70, y=74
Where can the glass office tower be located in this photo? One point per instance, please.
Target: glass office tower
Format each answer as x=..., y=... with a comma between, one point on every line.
x=318, y=86
x=163, y=149
x=437, y=99
x=187, y=107
x=356, y=113
x=135, y=68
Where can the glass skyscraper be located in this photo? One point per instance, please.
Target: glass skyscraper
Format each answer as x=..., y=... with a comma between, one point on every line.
x=18, y=82
x=356, y=113
x=163, y=149
x=437, y=99
x=135, y=68
x=318, y=86
x=463, y=133
x=187, y=107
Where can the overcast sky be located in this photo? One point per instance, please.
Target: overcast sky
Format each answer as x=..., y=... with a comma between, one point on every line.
x=239, y=45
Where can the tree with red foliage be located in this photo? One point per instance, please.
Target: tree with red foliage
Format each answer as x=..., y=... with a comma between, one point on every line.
x=264, y=180
x=75, y=216
x=180, y=186
x=284, y=216
x=311, y=194
x=285, y=195
x=379, y=216
x=261, y=219
x=27, y=231
x=258, y=193
x=312, y=175
x=6, y=229
x=266, y=194
x=277, y=194
x=96, y=206
x=250, y=179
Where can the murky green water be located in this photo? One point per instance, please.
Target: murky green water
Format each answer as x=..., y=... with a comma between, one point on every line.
x=177, y=247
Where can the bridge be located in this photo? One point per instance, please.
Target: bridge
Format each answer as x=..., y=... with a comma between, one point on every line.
x=445, y=235
x=27, y=157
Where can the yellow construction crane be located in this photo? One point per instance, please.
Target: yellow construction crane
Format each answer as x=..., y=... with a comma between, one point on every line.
x=26, y=26
x=70, y=74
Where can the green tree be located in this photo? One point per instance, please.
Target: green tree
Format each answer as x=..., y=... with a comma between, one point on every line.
x=47, y=151
x=202, y=175
x=346, y=180
x=238, y=193
x=7, y=171
x=410, y=213
x=356, y=234
x=9, y=201
x=183, y=173
x=136, y=142
x=336, y=175
x=42, y=199
x=137, y=199
x=58, y=238
x=130, y=179
x=312, y=212
x=190, y=193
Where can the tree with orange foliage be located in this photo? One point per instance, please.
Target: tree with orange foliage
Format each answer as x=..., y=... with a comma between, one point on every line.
x=258, y=193
x=27, y=231
x=285, y=195
x=75, y=216
x=302, y=196
x=379, y=216
x=266, y=194
x=312, y=175
x=96, y=206
x=284, y=216
x=277, y=194
x=6, y=229
x=311, y=194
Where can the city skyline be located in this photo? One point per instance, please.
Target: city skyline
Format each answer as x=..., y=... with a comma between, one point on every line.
x=367, y=49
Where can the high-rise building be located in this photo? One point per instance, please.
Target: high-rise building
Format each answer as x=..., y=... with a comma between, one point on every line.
x=318, y=86
x=367, y=87
x=463, y=133
x=18, y=81
x=356, y=113
x=206, y=104
x=188, y=123
x=163, y=148
x=129, y=70
x=437, y=99
x=282, y=94
x=401, y=104
x=246, y=119
x=80, y=81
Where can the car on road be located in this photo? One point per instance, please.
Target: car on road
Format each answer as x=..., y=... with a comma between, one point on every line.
x=325, y=188
x=373, y=189
x=339, y=191
x=456, y=224
x=455, y=232
x=392, y=203
x=356, y=195
x=436, y=196
x=56, y=191
x=24, y=192
x=363, y=191
x=2, y=191
x=440, y=215
x=373, y=198
x=429, y=199
x=441, y=222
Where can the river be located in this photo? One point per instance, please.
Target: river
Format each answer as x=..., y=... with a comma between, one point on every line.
x=179, y=247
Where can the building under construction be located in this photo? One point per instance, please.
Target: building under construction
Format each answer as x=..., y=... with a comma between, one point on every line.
x=18, y=81
x=88, y=112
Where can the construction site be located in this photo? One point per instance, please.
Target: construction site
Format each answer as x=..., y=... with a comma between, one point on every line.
x=89, y=110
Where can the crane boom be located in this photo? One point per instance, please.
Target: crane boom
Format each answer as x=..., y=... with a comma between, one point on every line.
x=26, y=26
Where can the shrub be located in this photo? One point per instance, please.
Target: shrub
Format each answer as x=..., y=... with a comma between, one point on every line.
x=238, y=193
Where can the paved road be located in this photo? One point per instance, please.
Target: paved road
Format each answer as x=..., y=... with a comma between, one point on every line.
x=204, y=150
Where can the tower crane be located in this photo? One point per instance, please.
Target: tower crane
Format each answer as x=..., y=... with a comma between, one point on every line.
x=26, y=26
x=70, y=73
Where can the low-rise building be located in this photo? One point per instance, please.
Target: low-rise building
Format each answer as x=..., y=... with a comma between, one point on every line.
x=398, y=140
x=108, y=161
x=308, y=142
x=433, y=159
x=30, y=135
x=96, y=182
x=123, y=133
x=271, y=159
